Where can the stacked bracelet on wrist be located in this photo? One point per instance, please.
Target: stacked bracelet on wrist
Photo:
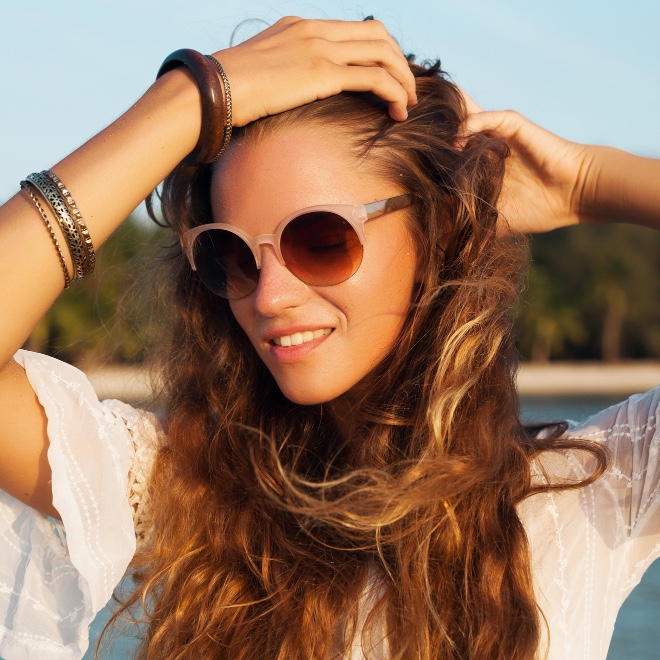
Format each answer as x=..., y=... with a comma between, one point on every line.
x=68, y=218
x=40, y=208
x=90, y=256
x=216, y=103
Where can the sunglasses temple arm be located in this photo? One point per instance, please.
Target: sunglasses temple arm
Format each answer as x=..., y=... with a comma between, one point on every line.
x=376, y=209
x=186, y=248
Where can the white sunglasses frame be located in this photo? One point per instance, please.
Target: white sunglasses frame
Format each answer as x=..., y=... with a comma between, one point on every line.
x=357, y=215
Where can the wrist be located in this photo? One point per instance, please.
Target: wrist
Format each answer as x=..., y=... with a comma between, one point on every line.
x=175, y=101
x=215, y=98
x=585, y=204
x=620, y=187
x=113, y=172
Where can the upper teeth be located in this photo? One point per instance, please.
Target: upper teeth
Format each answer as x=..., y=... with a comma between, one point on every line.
x=298, y=338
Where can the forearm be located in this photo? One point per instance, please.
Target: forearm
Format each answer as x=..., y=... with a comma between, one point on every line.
x=620, y=187
x=108, y=177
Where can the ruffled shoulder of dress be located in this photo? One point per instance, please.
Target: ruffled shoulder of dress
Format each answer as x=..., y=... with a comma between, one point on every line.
x=635, y=417
x=629, y=429
x=55, y=577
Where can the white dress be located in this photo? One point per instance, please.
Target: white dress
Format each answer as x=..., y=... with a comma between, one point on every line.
x=589, y=547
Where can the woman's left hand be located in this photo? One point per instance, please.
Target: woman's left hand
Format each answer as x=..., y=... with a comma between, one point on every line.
x=551, y=182
x=543, y=180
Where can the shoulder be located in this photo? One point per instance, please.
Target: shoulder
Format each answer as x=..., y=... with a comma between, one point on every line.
x=633, y=420
x=99, y=451
x=66, y=394
x=628, y=429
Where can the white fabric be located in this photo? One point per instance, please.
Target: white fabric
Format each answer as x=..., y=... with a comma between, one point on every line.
x=589, y=547
x=51, y=584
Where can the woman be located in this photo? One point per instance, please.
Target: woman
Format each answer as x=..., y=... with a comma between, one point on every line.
x=340, y=469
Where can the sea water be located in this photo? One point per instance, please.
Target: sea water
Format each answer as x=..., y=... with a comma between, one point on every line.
x=636, y=633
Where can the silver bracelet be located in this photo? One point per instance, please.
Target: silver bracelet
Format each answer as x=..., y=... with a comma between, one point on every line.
x=28, y=188
x=78, y=219
x=69, y=228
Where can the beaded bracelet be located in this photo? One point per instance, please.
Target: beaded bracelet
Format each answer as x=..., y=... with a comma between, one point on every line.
x=214, y=104
x=28, y=188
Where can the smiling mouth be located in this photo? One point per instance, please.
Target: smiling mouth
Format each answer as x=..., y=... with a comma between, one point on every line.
x=298, y=338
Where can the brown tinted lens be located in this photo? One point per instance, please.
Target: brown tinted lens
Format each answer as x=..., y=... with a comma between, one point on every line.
x=225, y=263
x=321, y=248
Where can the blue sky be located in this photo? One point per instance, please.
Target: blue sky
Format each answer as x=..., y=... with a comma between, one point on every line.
x=586, y=69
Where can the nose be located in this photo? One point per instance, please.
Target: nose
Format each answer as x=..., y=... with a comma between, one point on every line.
x=278, y=287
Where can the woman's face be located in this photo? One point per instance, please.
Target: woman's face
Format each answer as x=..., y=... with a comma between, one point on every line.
x=258, y=184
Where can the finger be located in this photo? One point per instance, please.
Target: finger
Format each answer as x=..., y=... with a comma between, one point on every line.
x=377, y=53
x=336, y=30
x=354, y=33
x=376, y=80
x=500, y=121
x=372, y=31
x=478, y=121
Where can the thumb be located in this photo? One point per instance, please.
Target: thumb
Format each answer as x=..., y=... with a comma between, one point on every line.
x=499, y=121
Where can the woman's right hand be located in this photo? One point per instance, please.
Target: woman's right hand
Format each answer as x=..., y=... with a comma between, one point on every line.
x=298, y=61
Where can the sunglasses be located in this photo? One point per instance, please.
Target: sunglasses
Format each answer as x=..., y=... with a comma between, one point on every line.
x=320, y=245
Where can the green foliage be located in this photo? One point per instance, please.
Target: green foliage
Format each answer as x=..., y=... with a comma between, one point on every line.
x=110, y=315
x=593, y=294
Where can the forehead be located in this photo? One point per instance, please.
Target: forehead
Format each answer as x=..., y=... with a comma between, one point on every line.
x=271, y=176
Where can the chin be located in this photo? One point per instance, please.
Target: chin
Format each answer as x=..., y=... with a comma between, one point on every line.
x=310, y=396
x=305, y=398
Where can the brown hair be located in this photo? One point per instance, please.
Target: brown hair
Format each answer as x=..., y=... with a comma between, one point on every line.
x=269, y=527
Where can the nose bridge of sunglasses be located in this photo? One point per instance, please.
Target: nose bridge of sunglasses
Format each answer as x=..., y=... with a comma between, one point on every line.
x=266, y=239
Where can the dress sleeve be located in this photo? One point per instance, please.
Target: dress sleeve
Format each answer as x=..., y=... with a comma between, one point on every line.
x=631, y=431
x=55, y=577
x=590, y=546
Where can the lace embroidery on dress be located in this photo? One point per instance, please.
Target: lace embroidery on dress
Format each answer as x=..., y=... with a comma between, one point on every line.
x=146, y=434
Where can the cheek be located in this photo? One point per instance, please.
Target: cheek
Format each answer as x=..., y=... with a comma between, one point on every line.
x=381, y=297
x=394, y=268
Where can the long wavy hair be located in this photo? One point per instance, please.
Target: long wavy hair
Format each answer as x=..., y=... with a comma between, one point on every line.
x=276, y=537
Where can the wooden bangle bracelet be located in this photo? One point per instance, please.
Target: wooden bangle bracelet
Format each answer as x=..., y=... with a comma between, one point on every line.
x=214, y=110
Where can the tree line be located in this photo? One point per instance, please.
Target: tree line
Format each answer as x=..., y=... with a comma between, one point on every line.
x=592, y=294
